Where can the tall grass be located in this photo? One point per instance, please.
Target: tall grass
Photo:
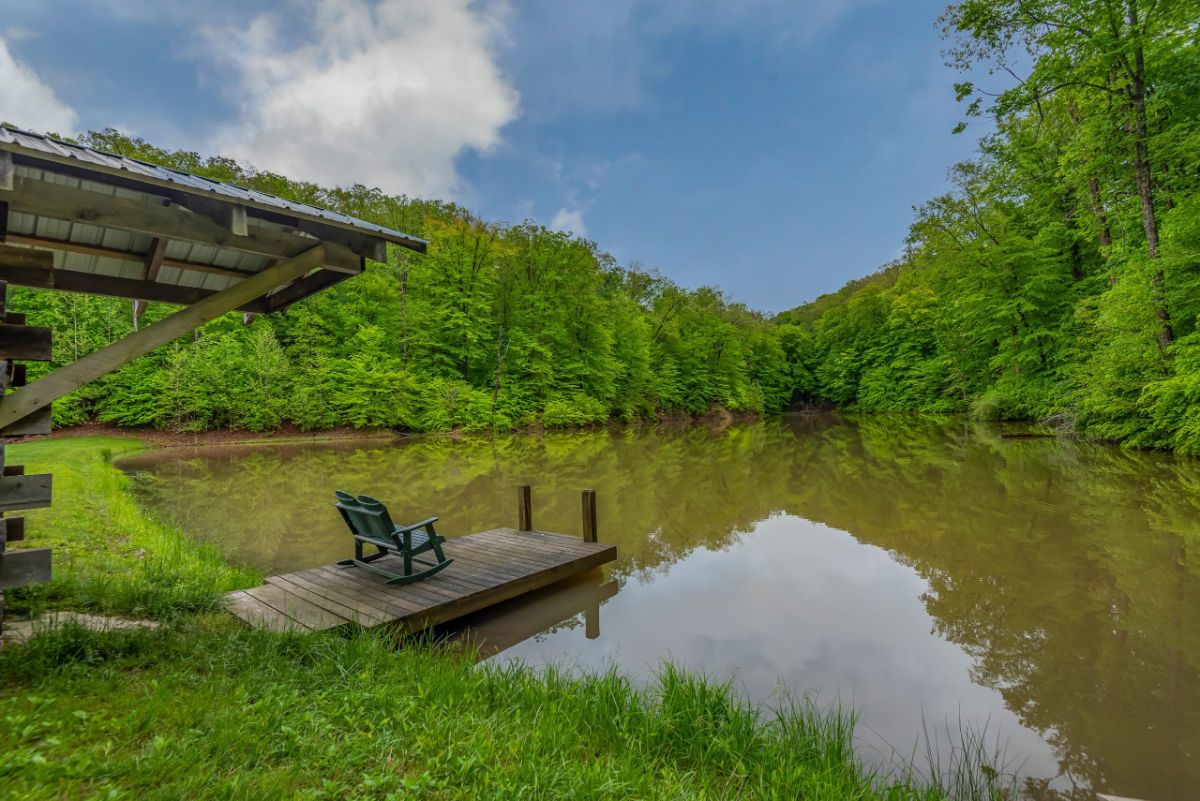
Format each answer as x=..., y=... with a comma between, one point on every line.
x=204, y=710
x=108, y=554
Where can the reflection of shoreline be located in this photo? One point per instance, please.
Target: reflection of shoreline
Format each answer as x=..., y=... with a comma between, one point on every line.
x=1061, y=568
x=498, y=628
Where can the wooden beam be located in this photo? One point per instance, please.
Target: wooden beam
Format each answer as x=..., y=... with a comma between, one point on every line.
x=165, y=220
x=152, y=262
x=24, y=492
x=228, y=214
x=26, y=258
x=44, y=391
x=111, y=286
x=298, y=290
x=32, y=425
x=236, y=220
x=24, y=342
x=123, y=255
x=26, y=566
x=8, y=172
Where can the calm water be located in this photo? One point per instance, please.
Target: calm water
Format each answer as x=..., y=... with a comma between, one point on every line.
x=933, y=575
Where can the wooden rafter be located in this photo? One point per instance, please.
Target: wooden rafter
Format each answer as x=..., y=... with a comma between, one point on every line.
x=123, y=255
x=165, y=220
x=35, y=268
x=41, y=393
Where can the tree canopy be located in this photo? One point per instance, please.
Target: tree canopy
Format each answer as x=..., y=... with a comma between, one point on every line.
x=1060, y=274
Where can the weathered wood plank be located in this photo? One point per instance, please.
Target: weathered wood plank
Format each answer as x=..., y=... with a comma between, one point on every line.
x=253, y=611
x=13, y=528
x=25, y=492
x=364, y=585
x=23, y=567
x=35, y=424
x=39, y=263
x=24, y=342
x=329, y=600
x=295, y=608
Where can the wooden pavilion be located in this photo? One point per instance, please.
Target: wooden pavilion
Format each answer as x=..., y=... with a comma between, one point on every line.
x=80, y=220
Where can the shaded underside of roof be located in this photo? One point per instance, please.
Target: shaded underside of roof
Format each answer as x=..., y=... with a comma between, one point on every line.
x=39, y=145
x=109, y=225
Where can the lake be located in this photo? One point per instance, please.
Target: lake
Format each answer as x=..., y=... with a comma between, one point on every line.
x=939, y=577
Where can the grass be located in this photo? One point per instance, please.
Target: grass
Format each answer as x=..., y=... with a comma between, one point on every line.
x=109, y=556
x=202, y=708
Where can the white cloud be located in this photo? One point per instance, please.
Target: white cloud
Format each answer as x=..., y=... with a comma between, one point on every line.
x=385, y=94
x=569, y=221
x=27, y=101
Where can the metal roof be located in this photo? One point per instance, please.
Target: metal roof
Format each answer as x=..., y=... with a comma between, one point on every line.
x=38, y=145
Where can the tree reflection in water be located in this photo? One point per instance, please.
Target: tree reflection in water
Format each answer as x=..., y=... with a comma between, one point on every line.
x=1068, y=573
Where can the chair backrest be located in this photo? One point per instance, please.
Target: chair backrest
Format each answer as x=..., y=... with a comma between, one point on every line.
x=365, y=515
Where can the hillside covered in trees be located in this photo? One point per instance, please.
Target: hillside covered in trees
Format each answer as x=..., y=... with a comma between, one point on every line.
x=499, y=326
x=1061, y=275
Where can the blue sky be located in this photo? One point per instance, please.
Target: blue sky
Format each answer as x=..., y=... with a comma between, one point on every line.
x=772, y=148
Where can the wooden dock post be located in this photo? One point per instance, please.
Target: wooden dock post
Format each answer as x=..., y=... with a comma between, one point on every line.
x=589, y=515
x=525, y=508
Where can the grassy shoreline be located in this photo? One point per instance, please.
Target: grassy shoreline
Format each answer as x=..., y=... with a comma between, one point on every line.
x=202, y=708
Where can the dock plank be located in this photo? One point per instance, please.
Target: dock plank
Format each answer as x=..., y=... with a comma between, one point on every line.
x=489, y=567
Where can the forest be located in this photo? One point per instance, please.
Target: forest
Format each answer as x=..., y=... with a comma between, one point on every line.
x=1058, y=279
x=499, y=326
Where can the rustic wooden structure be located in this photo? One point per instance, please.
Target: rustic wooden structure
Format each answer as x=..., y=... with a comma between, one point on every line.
x=80, y=220
x=490, y=567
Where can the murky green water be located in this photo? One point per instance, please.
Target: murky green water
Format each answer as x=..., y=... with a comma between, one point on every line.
x=932, y=574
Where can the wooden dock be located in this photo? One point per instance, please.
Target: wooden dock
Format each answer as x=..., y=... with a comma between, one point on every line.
x=489, y=567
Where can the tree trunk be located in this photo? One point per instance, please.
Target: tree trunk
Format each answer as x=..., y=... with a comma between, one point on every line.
x=1101, y=215
x=1141, y=165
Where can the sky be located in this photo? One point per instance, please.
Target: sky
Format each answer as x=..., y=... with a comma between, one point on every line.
x=772, y=148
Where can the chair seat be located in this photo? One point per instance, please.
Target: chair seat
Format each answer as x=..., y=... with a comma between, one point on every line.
x=420, y=541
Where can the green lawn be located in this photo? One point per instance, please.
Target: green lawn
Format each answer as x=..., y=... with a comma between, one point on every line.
x=205, y=709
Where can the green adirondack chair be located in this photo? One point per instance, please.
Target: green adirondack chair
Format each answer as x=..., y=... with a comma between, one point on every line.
x=371, y=524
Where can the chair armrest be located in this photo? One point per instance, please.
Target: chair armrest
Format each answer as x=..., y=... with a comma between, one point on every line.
x=378, y=543
x=405, y=529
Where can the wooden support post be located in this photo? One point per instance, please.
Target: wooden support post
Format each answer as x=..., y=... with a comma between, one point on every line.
x=41, y=393
x=17, y=490
x=589, y=515
x=525, y=507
